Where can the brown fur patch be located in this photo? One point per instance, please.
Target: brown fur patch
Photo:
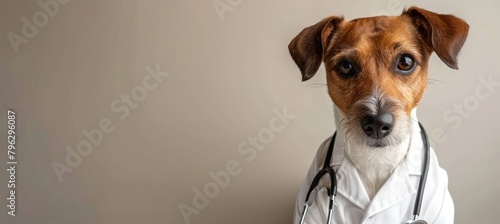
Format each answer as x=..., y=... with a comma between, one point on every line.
x=374, y=45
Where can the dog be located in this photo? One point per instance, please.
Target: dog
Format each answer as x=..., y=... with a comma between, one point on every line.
x=376, y=72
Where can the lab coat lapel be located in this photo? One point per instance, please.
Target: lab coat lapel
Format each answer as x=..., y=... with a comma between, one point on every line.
x=399, y=186
x=396, y=189
x=349, y=183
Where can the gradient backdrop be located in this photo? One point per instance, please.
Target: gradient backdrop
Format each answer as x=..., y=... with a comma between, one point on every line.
x=174, y=93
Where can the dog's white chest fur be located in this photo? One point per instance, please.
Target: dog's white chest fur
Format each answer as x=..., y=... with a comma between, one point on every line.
x=376, y=164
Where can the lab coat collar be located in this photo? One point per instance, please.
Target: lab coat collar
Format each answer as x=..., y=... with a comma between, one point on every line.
x=397, y=187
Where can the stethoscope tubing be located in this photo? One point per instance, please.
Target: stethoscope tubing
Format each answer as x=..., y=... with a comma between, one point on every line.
x=332, y=191
x=423, y=176
x=326, y=170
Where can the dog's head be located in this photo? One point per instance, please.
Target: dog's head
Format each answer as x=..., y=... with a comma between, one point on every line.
x=376, y=67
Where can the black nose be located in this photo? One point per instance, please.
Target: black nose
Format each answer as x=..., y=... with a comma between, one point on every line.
x=377, y=126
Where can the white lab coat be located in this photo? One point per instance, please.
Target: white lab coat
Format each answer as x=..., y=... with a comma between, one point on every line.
x=395, y=200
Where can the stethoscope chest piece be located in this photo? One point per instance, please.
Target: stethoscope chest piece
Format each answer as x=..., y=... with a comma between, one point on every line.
x=332, y=191
x=416, y=222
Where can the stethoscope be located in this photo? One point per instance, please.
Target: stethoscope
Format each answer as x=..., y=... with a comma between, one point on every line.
x=332, y=191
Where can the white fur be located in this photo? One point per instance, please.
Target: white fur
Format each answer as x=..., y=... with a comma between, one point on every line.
x=375, y=164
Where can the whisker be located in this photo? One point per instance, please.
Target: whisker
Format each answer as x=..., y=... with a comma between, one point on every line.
x=433, y=81
x=317, y=85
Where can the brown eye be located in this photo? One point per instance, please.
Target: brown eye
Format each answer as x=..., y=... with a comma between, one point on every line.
x=406, y=63
x=345, y=69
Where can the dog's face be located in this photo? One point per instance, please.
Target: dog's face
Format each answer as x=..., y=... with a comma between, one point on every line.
x=374, y=56
x=377, y=67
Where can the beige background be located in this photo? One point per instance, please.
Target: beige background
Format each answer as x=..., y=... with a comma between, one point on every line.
x=226, y=76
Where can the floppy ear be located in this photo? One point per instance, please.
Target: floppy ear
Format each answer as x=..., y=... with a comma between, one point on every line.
x=306, y=48
x=445, y=34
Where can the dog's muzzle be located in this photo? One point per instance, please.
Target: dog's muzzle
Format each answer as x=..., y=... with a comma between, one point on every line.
x=377, y=126
x=377, y=121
